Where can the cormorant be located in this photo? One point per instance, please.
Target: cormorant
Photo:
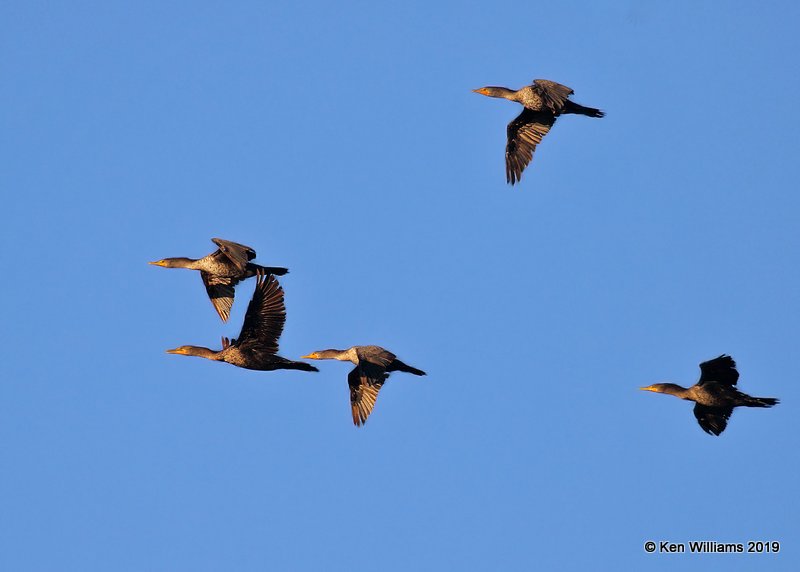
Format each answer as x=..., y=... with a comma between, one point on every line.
x=715, y=394
x=222, y=270
x=257, y=344
x=544, y=101
x=373, y=364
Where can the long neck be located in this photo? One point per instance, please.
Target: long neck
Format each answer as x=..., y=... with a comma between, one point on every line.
x=180, y=262
x=503, y=92
x=202, y=352
x=333, y=354
x=675, y=389
x=341, y=355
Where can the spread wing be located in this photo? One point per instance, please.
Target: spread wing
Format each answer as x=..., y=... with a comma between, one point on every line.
x=712, y=420
x=237, y=253
x=524, y=134
x=721, y=369
x=365, y=382
x=221, y=292
x=553, y=94
x=266, y=314
x=376, y=355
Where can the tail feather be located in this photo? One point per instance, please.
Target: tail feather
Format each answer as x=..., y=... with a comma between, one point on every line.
x=301, y=365
x=762, y=401
x=276, y=270
x=397, y=365
x=577, y=108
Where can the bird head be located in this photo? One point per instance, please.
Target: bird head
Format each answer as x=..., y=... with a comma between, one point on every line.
x=183, y=350
x=482, y=91
x=178, y=262
x=669, y=388
x=491, y=91
x=326, y=354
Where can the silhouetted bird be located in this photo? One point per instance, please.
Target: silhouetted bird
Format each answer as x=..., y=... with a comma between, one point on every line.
x=715, y=394
x=222, y=270
x=543, y=101
x=373, y=364
x=257, y=344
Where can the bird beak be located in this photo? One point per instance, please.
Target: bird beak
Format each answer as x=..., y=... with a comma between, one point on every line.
x=648, y=388
x=179, y=351
x=310, y=356
x=157, y=263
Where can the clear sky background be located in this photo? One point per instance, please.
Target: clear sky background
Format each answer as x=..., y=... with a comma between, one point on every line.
x=342, y=140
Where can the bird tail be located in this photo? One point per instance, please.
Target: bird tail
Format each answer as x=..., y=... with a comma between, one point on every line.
x=397, y=365
x=762, y=402
x=301, y=365
x=276, y=270
x=577, y=108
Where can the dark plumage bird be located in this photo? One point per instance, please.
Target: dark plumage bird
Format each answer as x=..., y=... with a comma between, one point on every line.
x=715, y=394
x=222, y=270
x=543, y=101
x=257, y=344
x=373, y=364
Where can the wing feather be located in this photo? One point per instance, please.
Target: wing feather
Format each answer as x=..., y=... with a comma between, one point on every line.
x=365, y=381
x=524, y=134
x=221, y=292
x=712, y=420
x=265, y=317
x=375, y=355
x=721, y=369
x=553, y=94
x=238, y=254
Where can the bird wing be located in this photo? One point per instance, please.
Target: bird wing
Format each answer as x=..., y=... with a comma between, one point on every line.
x=721, y=369
x=712, y=420
x=375, y=355
x=553, y=94
x=221, y=292
x=524, y=134
x=237, y=253
x=365, y=382
x=266, y=314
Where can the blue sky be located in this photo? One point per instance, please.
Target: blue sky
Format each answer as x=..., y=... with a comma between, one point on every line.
x=342, y=140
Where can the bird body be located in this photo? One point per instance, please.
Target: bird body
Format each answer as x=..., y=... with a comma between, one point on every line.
x=373, y=365
x=543, y=102
x=214, y=264
x=222, y=270
x=715, y=394
x=257, y=344
x=249, y=359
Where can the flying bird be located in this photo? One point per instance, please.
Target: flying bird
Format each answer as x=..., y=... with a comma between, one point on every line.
x=373, y=364
x=544, y=101
x=257, y=344
x=715, y=394
x=222, y=270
